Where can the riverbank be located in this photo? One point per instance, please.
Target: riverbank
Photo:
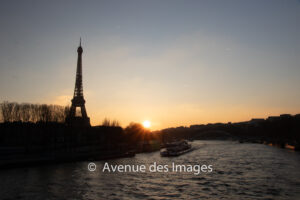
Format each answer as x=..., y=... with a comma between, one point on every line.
x=28, y=160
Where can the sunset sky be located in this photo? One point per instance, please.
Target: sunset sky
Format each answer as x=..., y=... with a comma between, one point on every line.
x=171, y=62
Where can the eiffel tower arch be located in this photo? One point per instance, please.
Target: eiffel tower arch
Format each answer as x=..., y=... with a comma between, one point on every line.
x=77, y=115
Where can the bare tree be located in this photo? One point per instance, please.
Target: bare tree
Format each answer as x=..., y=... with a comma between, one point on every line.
x=16, y=112
x=58, y=113
x=115, y=123
x=25, y=112
x=106, y=122
x=66, y=111
x=45, y=113
x=35, y=113
x=1, y=117
x=7, y=111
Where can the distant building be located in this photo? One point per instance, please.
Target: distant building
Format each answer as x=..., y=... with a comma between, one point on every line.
x=297, y=116
x=196, y=126
x=284, y=116
x=273, y=118
x=256, y=121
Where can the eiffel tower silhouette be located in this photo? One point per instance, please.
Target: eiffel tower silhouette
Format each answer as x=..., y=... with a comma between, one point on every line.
x=77, y=115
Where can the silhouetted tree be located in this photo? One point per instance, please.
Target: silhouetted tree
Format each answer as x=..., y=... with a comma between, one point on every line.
x=66, y=112
x=45, y=113
x=32, y=112
x=115, y=123
x=26, y=114
x=136, y=132
x=108, y=122
x=7, y=111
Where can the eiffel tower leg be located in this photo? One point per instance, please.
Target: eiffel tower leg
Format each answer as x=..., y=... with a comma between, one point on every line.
x=72, y=111
x=83, y=112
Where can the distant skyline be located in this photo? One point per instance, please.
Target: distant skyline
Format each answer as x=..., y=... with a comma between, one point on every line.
x=171, y=62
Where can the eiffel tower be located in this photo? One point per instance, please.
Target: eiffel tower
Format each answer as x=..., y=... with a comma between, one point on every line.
x=77, y=115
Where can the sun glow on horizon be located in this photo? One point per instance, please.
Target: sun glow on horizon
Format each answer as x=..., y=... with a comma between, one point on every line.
x=147, y=124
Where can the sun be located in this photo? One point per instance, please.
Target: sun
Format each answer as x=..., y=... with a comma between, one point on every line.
x=147, y=124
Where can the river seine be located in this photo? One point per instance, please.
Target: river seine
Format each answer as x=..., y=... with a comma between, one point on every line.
x=239, y=171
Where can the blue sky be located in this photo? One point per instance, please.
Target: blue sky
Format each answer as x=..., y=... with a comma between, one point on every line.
x=171, y=62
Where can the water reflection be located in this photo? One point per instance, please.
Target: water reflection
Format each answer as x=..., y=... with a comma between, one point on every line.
x=240, y=171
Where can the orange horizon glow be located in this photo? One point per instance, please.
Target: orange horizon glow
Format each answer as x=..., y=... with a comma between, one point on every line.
x=187, y=121
x=167, y=115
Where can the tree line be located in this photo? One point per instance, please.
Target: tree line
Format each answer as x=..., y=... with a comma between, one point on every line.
x=26, y=112
x=111, y=123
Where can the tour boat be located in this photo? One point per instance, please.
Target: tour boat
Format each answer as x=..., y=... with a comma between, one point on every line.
x=176, y=148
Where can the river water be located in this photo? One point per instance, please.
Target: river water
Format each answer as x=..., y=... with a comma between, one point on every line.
x=240, y=171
